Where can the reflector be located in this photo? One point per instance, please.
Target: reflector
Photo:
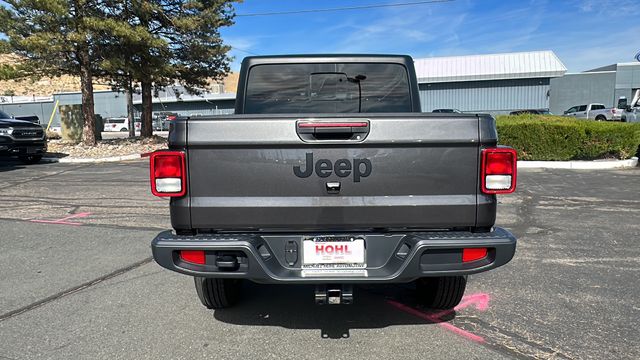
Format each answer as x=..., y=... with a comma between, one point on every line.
x=473, y=254
x=193, y=256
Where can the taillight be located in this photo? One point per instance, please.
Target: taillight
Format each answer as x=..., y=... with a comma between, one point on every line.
x=168, y=173
x=498, y=170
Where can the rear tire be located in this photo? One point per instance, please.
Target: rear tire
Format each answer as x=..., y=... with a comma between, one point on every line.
x=601, y=118
x=30, y=159
x=124, y=129
x=218, y=293
x=444, y=292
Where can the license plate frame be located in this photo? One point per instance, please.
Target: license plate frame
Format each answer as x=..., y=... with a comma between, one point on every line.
x=32, y=150
x=334, y=252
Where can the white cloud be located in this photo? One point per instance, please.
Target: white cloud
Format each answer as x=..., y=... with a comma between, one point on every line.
x=608, y=6
x=397, y=30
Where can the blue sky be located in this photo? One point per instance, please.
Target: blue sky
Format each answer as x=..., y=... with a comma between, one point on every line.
x=585, y=34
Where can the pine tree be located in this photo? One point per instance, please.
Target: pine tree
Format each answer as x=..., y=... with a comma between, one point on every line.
x=157, y=43
x=56, y=38
x=154, y=43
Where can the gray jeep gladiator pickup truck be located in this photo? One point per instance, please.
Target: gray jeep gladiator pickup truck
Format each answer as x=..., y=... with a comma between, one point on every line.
x=329, y=174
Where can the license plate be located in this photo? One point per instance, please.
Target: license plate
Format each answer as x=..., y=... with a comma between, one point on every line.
x=322, y=251
x=32, y=150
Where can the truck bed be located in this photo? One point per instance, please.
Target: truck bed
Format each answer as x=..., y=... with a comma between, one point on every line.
x=408, y=171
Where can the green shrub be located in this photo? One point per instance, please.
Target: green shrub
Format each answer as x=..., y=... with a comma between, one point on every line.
x=541, y=137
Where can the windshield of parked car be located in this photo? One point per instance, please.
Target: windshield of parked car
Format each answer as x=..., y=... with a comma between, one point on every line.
x=327, y=88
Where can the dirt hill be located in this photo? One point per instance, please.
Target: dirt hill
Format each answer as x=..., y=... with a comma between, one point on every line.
x=49, y=86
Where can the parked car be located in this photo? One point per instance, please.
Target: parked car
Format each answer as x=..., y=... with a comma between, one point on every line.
x=597, y=112
x=631, y=110
x=162, y=120
x=447, y=111
x=531, y=111
x=119, y=124
x=31, y=118
x=22, y=139
x=345, y=181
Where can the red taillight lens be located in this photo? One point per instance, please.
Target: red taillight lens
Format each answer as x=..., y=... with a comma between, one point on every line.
x=167, y=166
x=499, y=163
x=473, y=254
x=498, y=170
x=168, y=173
x=193, y=256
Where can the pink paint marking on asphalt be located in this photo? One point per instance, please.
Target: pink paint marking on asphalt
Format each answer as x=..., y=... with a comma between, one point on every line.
x=64, y=221
x=480, y=300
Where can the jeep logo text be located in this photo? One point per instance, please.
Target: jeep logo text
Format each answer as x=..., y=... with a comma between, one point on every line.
x=360, y=168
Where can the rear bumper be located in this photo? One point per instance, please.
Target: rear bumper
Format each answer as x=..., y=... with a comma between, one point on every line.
x=390, y=257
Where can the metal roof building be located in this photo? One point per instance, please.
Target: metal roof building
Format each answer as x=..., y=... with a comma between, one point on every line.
x=176, y=99
x=494, y=83
x=604, y=85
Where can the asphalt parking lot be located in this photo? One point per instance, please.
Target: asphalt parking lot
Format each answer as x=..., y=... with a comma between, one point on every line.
x=78, y=281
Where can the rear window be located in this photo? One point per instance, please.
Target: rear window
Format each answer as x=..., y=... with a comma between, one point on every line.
x=327, y=88
x=597, y=107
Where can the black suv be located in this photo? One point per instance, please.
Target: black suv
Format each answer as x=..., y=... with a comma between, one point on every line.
x=23, y=139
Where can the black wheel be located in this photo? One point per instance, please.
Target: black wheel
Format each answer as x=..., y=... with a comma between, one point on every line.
x=218, y=293
x=443, y=292
x=30, y=159
x=601, y=118
x=124, y=129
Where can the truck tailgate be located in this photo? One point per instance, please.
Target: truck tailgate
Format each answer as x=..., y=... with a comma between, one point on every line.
x=258, y=173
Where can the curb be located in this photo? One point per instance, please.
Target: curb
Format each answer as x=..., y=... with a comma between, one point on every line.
x=580, y=165
x=93, y=160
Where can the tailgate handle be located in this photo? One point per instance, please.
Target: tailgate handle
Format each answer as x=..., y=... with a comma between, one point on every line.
x=332, y=130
